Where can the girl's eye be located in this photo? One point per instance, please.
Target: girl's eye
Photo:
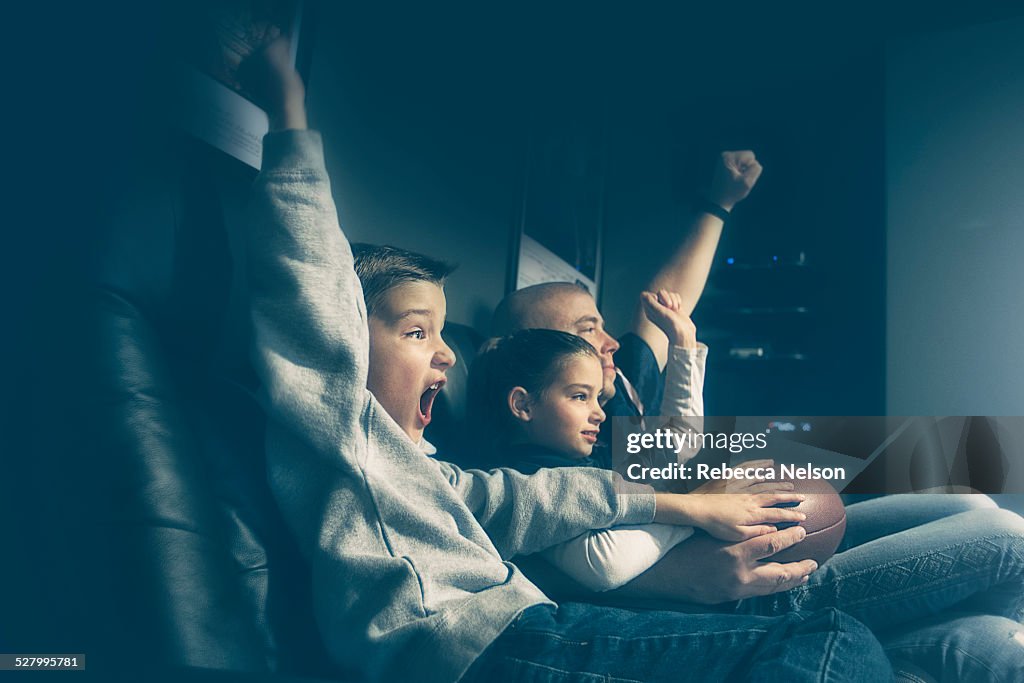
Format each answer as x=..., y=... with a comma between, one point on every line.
x=416, y=334
x=579, y=397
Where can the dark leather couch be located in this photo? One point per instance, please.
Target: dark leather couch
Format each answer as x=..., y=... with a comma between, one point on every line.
x=174, y=553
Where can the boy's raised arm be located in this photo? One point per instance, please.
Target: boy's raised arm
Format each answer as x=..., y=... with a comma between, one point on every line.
x=309, y=319
x=307, y=308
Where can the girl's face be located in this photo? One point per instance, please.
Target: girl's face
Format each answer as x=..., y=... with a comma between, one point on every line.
x=566, y=416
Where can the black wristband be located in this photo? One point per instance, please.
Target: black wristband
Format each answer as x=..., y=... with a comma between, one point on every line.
x=705, y=205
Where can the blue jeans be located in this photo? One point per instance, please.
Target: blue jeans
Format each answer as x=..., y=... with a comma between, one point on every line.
x=967, y=648
x=939, y=578
x=580, y=642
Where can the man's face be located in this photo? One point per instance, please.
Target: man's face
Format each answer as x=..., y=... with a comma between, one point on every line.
x=576, y=312
x=408, y=358
x=567, y=416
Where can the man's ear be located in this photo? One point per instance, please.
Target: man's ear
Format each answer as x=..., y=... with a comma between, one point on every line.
x=519, y=404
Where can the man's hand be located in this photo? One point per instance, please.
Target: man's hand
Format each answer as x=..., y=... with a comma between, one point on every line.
x=707, y=571
x=664, y=309
x=275, y=84
x=735, y=176
x=728, y=516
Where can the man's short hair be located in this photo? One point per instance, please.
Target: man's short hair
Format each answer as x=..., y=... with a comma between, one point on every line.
x=381, y=268
x=524, y=308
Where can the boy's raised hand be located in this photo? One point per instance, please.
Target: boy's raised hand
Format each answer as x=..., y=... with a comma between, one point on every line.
x=276, y=86
x=664, y=310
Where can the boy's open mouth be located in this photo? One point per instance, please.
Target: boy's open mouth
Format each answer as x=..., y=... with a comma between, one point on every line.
x=590, y=435
x=427, y=401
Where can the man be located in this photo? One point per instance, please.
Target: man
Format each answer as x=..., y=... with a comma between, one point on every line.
x=633, y=385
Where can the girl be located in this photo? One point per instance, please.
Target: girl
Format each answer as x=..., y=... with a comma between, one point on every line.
x=535, y=401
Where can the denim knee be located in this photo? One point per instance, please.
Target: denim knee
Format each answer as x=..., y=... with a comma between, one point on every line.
x=971, y=648
x=854, y=649
x=985, y=523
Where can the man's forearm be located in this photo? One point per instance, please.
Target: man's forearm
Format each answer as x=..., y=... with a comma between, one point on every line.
x=686, y=273
x=708, y=571
x=681, y=576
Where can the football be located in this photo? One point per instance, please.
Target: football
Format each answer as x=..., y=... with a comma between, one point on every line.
x=825, y=523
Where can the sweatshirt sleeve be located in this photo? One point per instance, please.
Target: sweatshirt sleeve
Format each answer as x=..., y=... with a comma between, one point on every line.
x=523, y=514
x=610, y=558
x=311, y=346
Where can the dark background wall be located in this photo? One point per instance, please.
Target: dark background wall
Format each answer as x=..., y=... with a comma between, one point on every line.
x=955, y=304
x=424, y=131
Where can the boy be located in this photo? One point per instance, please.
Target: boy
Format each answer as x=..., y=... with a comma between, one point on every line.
x=408, y=554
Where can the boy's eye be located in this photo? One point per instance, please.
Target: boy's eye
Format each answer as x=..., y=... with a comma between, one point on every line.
x=579, y=397
x=416, y=334
x=588, y=330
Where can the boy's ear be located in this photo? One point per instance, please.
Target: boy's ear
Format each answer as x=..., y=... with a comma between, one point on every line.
x=519, y=404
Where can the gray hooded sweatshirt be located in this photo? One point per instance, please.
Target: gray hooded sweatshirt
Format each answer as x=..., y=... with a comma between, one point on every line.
x=409, y=555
